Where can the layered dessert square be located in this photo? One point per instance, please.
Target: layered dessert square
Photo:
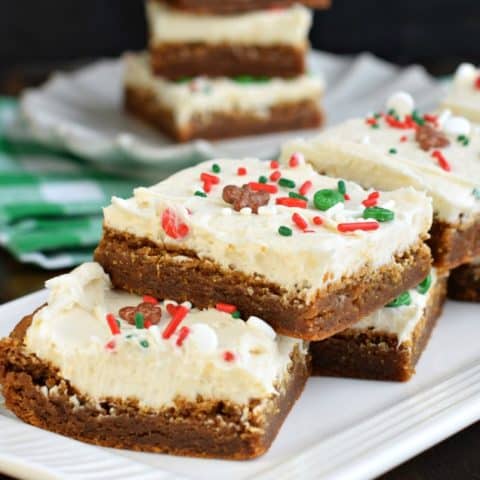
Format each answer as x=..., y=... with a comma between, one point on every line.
x=387, y=344
x=296, y=248
x=464, y=94
x=267, y=42
x=438, y=154
x=219, y=7
x=464, y=282
x=119, y=370
x=221, y=107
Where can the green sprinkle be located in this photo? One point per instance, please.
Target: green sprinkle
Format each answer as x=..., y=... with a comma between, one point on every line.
x=183, y=79
x=393, y=113
x=375, y=125
x=285, y=231
x=199, y=193
x=392, y=151
x=144, y=343
x=377, y=115
x=251, y=79
x=378, y=213
x=118, y=321
x=297, y=195
x=139, y=320
x=130, y=335
x=236, y=314
x=262, y=179
x=476, y=193
x=403, y=299
x=286, y=182
x=342, y=188
x=417, y=118
x=424, y=286
x=326, y=198
x=463, y=139
x=216, y=168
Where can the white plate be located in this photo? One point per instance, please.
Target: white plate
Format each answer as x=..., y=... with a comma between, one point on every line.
x=81, y=112
x=339, y=429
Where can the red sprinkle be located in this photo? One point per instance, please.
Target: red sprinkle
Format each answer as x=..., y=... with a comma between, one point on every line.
x=394, y=123
x=275, y=176
x=182, y=335
x=150, y=299
x=110, y=345
x=262, y=187
x=173, y=225
x=207, y=187
x=299, y=221
x=226, y=307
x=208, y=177
x=351, y=227
x=178, y=316
x=318, y=220
x=403, y=138
x=371, y=121
x=304, y=189
x=274, y=164
x=477, y=83
x=442, y=161
x=428, y=117
x=112, y=323
x=291, y=202
x=171, y=308
x=295, y=160
x=228, y=356
x=147, y=324
x=346, y=196
x=241, y=171
x=374, y=194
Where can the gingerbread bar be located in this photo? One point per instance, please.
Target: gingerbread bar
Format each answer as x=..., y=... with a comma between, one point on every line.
x=387, y=344
x=221, y=107
x=218, y=7
x=269, y=43
x=438, y=154
x=464, y=95
x=294, y=247
x=118, y=370
x=464, y=282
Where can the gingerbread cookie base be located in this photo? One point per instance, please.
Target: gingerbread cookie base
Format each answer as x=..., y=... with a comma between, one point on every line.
x=175, y=61
x=141, y=266
x=217, y=7
x=373, y=355
x=464, y=283
x=35, y=393
x=219, y=125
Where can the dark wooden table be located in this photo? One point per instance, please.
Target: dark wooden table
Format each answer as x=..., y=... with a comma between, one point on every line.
x=457, y=458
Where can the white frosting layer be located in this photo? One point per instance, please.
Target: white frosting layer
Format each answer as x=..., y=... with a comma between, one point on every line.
x=71, y=332
x=202, y=95
x=304, y=262
x=464, y=96
x=287, y=26
x=400, y=321
x=363, y=154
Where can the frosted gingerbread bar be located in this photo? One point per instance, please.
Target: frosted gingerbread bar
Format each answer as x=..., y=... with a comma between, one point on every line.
x=118, y=370
x=221, y=107
x=436, y=153
x=270, y=42
x=219, y=7
x=296, y=248
x=387, y=344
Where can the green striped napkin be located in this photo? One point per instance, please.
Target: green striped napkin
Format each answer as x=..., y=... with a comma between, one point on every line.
x=50, y=201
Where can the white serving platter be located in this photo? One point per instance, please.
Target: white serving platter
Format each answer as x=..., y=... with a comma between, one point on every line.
x=339, y=429
x=82, y=112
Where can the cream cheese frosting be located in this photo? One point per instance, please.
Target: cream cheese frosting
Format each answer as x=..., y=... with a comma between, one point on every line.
x=402, y=320
x=464, y=93
x=304, y=262
x=375, y=154
x=202, y=95
x=221, y=358
x=287, y=26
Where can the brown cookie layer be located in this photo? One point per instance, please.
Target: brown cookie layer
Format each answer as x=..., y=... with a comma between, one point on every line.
x=464, y=283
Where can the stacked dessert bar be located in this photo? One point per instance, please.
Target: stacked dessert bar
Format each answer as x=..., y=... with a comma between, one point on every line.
x=223, y=69
x=189, y=335
x=464, y=99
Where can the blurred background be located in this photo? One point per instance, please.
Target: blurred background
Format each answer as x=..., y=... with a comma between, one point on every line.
x=36, y=36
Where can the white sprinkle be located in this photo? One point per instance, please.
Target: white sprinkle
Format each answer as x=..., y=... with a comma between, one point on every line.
x=187, y=305
x=267, y=210
x=457, y=126
x=204, y=337
x=443, y=117
x=465, y=75
x=227, y=212
x=365, y=140
x=402, y=103
x=261, y=325
x=246, y=211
